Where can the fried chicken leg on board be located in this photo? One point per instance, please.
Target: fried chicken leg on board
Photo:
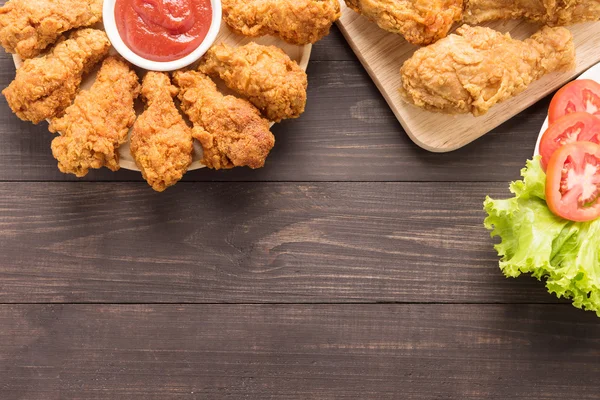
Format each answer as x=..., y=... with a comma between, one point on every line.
x=265, y=75
x=550, y=12
x=44, y=87
x=27, y=27
x=421, y=22
x=231, y=130
x=476, y=68
x=297, y=22
x=98, y=122
x=161, y=142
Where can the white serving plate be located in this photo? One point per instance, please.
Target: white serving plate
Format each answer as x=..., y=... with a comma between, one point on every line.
x=592, y=73
x=300, y=54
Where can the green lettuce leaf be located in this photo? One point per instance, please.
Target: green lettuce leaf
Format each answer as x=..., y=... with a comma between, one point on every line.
x=535, y=241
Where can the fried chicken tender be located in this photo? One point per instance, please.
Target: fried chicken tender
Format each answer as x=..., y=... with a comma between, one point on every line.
x=27, y=27
x=98, y=122
x=161, y=142
x=421, y=22
x=550, y=12
x=44, y=87
x=265, y=75
x=297, y=22
x=230, y=130
x=471, y=71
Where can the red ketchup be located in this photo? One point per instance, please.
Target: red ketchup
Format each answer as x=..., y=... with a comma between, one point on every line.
x=163, y=30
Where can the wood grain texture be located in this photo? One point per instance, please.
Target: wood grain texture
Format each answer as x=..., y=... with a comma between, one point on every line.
x=383, y=54
x=298, y=352
x=348, y=133
x=248, y=243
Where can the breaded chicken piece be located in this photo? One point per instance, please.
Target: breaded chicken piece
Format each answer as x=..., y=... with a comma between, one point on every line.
x=98, y=122
x=161, y=142
x=27, y=27
x=550, y=12
x=476, y=68
x=297, y=22
x=265, y=75
x=44, y=87
x=230, y=130
x=421, y=22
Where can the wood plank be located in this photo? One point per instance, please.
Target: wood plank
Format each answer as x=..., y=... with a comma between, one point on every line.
x=383, y=53
x=273, y=243
x=347, y=134
x=298, y=352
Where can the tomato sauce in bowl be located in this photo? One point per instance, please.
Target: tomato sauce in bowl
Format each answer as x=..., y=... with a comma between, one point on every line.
x=163, y=30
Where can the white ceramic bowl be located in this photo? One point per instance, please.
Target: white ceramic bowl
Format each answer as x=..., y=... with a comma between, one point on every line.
x=110, y=25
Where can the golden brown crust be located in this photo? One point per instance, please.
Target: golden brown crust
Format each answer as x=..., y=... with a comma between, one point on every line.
x=44, y=87
x=265, y=75
x=97, y=124
x=27, y=27
x=476, y=68
x=421, y=22
x=297, y=22
x=231, y=130
x=161, y=141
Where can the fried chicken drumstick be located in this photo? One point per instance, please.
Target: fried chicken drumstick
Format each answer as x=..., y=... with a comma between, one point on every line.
x=44, y=87
x=265, y=75
x=473, y=70
x=98, y=122
x=421, y=22
x=161, y=142
x=231, y=130
x=297, y=22
x=27, y=27
x=550, y=12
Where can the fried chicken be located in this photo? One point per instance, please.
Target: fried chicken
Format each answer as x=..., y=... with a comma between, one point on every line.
x=231, y=130
x=98, y=122
x=265, y=75
x=421, y=22
x=550, y=12
x=44, y=87
x=161, y=141
x=297, y=22
x=471, y=71
x=27, y=27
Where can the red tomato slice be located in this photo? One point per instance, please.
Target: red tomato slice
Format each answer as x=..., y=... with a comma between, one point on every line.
x=578, y=96
x=573, y=182
x=576, y=127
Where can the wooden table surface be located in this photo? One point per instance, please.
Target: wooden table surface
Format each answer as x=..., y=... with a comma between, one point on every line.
x=354, y=266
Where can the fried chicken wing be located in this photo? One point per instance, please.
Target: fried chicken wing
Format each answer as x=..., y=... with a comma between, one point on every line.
x=44, y=87
x=421, y=22
x=161, y=142
x=231, y=130
x=98, y=122
x=297, y=22
x=550, y=12
x=27, y=27
x=265, y=75
x=471, y=71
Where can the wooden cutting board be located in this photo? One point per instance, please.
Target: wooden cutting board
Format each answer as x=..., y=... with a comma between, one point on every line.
x=383, y=53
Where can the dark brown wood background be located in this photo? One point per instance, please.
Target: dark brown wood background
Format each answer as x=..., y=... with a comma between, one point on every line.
x=354, y=266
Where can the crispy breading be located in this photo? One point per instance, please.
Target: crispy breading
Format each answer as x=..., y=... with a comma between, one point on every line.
x=476, y=68
x=297, y=22
x=231, y=130
x=549, y=12
x=97, y=124
x=161, y=141
x=421, y=22
x=265, y=75
x=44, y=87
x=27, y=27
